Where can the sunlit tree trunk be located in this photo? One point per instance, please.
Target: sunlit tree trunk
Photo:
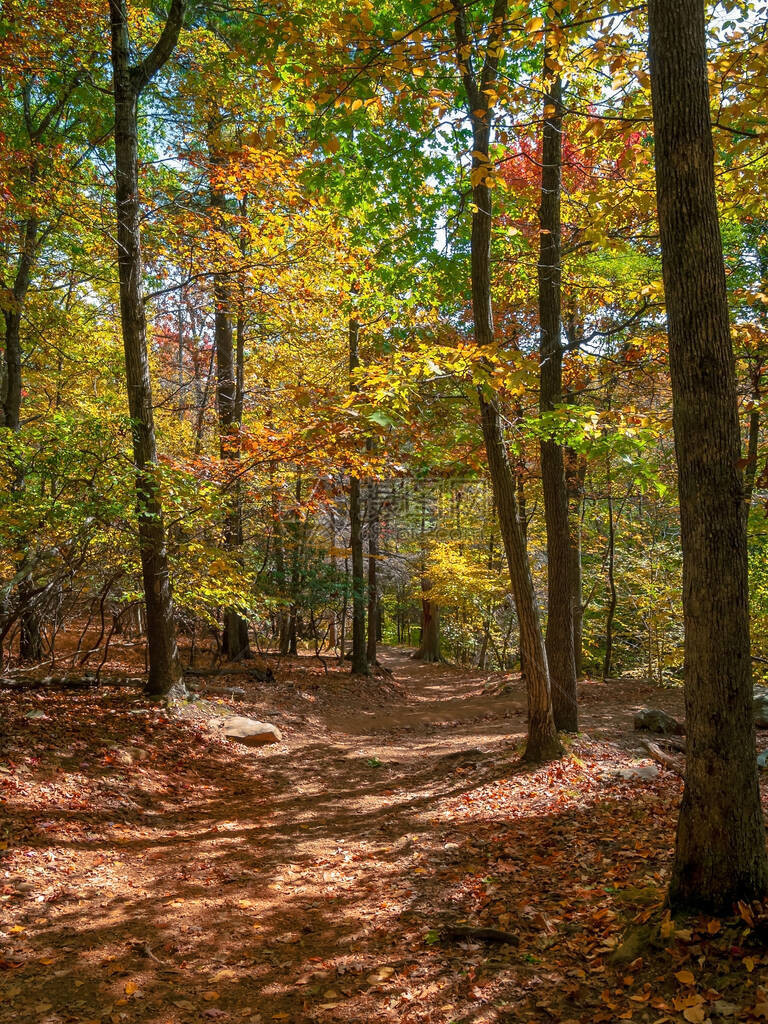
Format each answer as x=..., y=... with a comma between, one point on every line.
x=359, y=642
x=373, y=557
x=575, y=473
x=235, y=643
x=128, y=82
x=542, y=743
x=559, y=639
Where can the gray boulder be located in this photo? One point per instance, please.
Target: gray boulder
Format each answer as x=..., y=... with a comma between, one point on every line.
x=646, y=772
x=655, y=720
x=248, y=731
x=760, y=708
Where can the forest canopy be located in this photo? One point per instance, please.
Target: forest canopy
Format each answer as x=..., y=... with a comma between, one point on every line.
x=328, y=330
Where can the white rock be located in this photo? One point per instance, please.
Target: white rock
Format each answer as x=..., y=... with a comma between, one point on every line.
x=248, y=731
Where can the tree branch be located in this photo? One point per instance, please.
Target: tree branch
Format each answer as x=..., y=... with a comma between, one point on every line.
x=144, y=72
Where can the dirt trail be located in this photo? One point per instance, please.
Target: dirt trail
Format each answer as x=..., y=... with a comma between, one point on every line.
x=156, y=873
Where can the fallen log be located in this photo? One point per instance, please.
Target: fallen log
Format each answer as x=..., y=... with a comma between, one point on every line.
x=666, y=760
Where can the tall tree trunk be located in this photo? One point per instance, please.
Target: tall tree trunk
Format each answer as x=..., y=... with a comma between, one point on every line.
x=128, y=81
x=612, y=597
x=13, y=316
x=542, y=743
x=720, y=855
x=235, y=642
x=296, y=556
x=753, y=436
x=559, y=641
x=359, y=643
x=575, y=474
x=283, y=641
x=373, y=557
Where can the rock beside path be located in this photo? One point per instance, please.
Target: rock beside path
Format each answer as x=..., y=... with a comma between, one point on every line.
x=247, y=730
x=658, y=721
x=647, y=772
x=760, y=707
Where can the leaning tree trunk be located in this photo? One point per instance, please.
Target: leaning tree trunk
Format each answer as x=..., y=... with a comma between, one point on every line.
x=559, y=642
x=128, y=81
x=720, y=855
x=235, y=641
x=542, y=743
x=359, y=644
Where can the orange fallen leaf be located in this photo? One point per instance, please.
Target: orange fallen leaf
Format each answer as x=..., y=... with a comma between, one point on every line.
x=685, y=977
x=695, y=1014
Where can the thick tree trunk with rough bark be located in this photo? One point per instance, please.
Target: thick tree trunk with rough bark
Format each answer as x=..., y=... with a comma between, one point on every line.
x=542, y=743
x=128, y=81
x=359, y=643
x=720, y=855
x=429, y=645
x=559, y=639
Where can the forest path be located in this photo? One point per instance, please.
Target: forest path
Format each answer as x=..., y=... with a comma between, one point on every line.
x=156, y=873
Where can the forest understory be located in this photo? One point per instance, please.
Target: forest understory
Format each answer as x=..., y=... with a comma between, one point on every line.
x=153, y=871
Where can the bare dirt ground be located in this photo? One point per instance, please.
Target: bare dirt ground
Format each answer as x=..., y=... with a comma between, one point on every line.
x=151, y=871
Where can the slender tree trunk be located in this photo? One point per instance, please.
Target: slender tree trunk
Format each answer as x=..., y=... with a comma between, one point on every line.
x=13, y=316
x=235, y=642
x=296, y=554
x=542, y=743
x=373, y=557
x=753, y=438
x=359, y=643
x=165, y=673
x=720, y=855
x=576, y=470
x=30, y=638
x=612, y=597
x=559, y=639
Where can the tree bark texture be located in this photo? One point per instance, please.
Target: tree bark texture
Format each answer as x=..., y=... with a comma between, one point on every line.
x=559, y=640
x=575, y=474
x=429, y=645
x=235, y=641
x=542, y=743
x=128, y=81
x=359, y=643
x=373, y=558
x=720, y=855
